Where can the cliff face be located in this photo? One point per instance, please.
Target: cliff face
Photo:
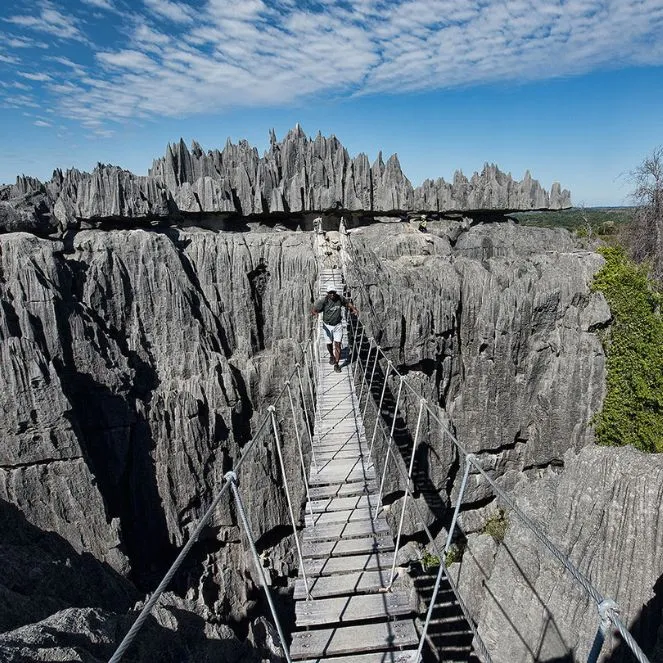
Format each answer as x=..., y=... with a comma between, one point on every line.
x=603, y=512
x=496, y=324
x=295, y=175
x=492, y=323
x=135, y=364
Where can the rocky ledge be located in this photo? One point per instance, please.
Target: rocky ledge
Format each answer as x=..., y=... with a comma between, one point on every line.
x=296, y=175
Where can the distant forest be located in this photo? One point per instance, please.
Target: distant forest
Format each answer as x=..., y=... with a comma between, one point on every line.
x=584, y=221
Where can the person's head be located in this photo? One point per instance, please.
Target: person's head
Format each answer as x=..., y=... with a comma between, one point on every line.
x=331, y=293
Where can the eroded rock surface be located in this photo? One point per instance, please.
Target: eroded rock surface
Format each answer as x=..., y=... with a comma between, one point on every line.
x=602, y=511
x=135, y=366
x=296, y=175
x=491, y=322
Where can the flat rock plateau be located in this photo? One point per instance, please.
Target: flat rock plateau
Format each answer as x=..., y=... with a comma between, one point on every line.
x=147, y=322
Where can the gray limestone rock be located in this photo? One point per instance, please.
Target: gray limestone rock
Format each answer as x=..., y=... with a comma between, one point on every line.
x=602, y=512
x=135, y=365
x=297, y=175
x=172, y=634
x=491, y=329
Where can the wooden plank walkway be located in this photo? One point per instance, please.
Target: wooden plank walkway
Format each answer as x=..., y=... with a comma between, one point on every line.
x=347, y=550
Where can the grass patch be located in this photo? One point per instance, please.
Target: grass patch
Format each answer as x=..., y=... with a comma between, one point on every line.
x=633, y=407
x=496, y=525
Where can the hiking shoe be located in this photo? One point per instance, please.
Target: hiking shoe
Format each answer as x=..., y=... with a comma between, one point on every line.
x=332, y=361
x=337, y=368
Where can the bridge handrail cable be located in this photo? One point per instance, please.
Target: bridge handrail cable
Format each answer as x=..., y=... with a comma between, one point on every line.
x=308, y=347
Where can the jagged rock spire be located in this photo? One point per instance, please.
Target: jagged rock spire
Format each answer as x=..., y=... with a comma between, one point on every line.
x=297, y=174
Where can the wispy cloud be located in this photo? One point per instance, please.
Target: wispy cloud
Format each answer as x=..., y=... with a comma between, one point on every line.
x=178, y=12
x=22, y=42
x=42, y=123
x=173, y=60
x=100, y=4
x=9, y=59
x=50, y=21
x=39, y=77
x=20, y=101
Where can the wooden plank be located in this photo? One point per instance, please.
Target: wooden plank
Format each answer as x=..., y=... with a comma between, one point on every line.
x=321, y=549
x=331, y=565
x=344, y=503
x=405, y=656
x=346, y=440
x=340, y=465
x=359, y=582
x=342, y=453
x=361, y=474
x=343, y=490
x=347, y=516
x=353, y=639
x=353, y=608
x=352, y=530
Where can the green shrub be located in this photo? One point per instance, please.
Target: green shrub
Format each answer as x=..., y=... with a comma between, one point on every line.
x=496, y=525
x=429, y=561
x=454, y=554
x=633, y=407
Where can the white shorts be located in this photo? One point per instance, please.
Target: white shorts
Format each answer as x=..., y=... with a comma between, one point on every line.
x=334, y=333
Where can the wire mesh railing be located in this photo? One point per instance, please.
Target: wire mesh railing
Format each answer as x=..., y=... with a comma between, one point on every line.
x=296, y=399
x=370, y=360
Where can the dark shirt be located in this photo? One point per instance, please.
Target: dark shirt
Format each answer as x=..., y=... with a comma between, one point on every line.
x=331, y=309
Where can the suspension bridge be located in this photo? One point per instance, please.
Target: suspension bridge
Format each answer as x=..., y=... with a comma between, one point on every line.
x=352, y=605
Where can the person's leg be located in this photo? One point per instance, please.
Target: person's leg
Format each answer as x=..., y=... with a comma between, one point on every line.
x=338, y=337
x=329, y=333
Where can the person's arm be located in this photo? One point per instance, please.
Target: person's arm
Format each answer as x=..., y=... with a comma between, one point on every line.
x=317, y=307
x=351, y=307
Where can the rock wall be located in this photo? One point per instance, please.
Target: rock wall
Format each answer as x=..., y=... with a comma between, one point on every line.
x=135, y=365
x=496, y=324
x=492, y=321
x=296, y=175
x=602, y=512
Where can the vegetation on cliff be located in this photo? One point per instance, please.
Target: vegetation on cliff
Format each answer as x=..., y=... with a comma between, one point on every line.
x=633, y=407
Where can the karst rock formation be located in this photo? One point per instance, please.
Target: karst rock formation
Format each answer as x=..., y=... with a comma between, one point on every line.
x=296, y=175
x=137, y=360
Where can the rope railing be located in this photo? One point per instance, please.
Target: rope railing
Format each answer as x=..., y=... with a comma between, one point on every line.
x=230, y=482
x=406, y=478
x=607, y=608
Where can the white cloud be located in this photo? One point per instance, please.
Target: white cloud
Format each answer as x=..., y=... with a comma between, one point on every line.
x=176, y=61
x=74, y=67
x=42, y=123
x=39, y=77
x=100, y=4
x=9, y=59
x=16, y=42
x=174, y=11
x=20, y=101
x=49, y=20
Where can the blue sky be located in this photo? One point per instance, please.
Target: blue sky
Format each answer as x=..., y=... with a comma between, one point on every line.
x=570, y=89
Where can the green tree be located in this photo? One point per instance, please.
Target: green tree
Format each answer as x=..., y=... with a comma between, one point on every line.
x=633, y=407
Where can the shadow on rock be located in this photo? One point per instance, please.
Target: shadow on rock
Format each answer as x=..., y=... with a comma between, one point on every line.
x=42, y=573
